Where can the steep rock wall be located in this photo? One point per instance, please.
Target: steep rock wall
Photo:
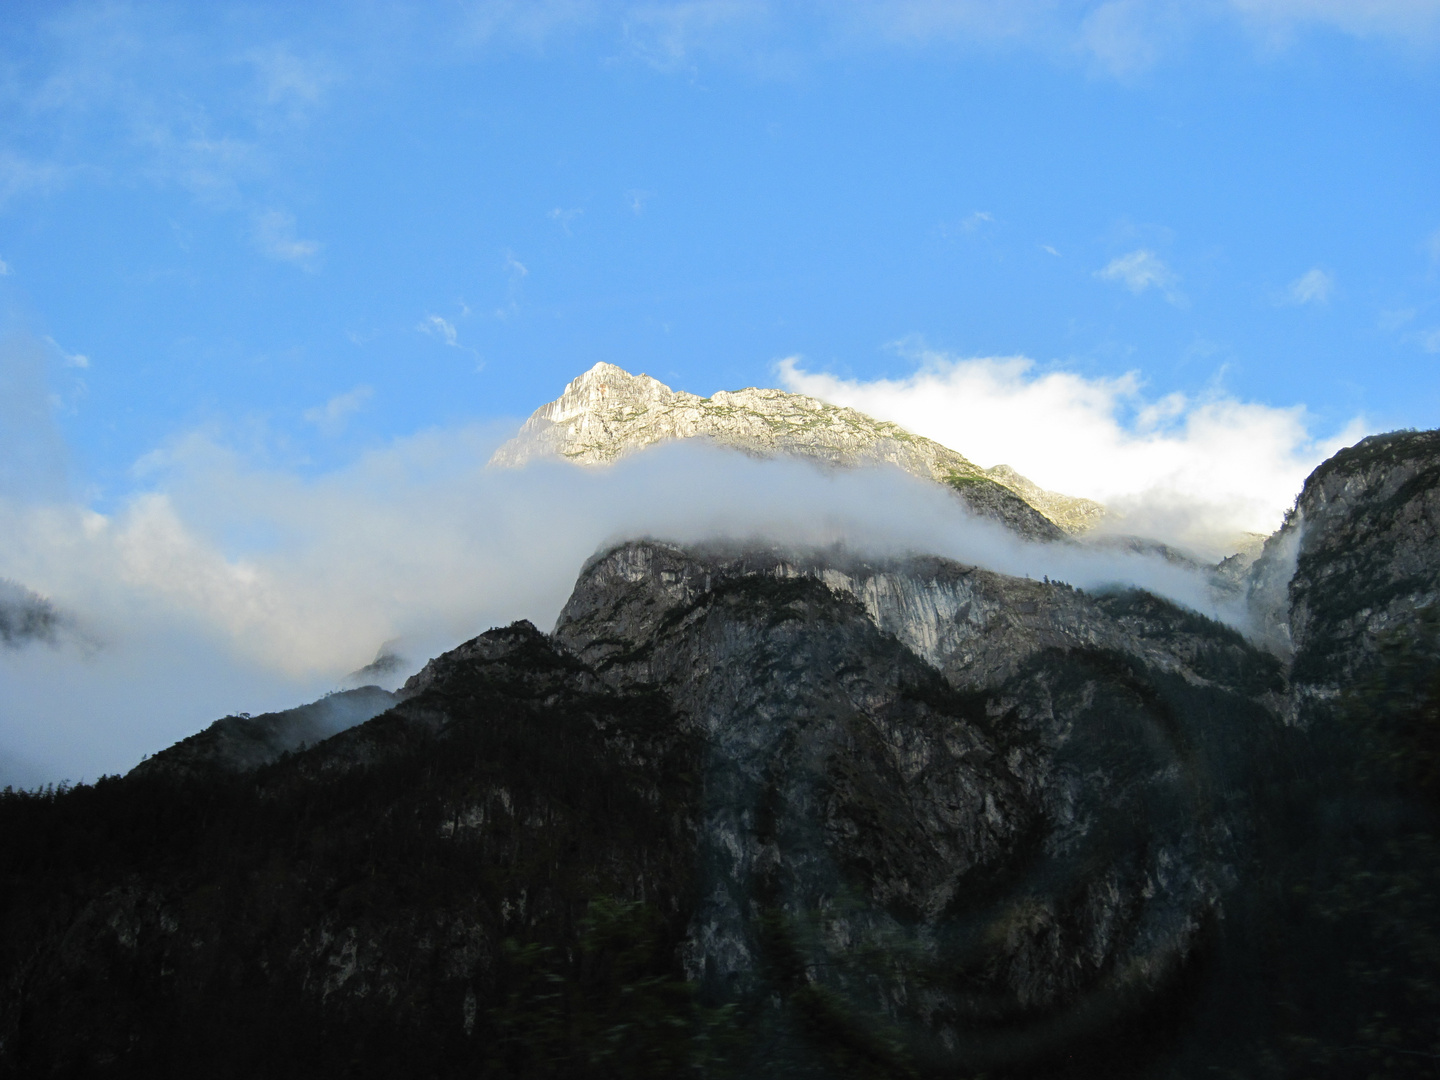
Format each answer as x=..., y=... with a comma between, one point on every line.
x=984, y=825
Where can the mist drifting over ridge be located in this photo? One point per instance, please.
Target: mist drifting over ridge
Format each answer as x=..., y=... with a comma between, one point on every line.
x=229, y=586
x=1191, y=470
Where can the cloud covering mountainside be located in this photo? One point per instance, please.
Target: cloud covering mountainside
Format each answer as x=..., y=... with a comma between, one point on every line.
x=224, y=582
x=1191, y=471
x=25, y=617
x=229, y=586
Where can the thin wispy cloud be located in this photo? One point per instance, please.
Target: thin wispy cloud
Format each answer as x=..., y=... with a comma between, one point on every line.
x=1312, y=287
x=1193, y=470
x=137, y=85
x=1125, y=37
x=1139, y=271
x=637, y=200
x=214, y=168
x=515, y=274
x=1403, y=23
x=275, y=236
x=529, y=23
x=922, y=23
x=564, y=217
x=23, y=176
x=286, y=80
x=449, y=334
x=1395, y=318
x=123, y=62
x=967, y=226
x=1121, y=39
x=665, y=35
x=130, y=95
x=332, y=417
x=4, y=268
x=439, y=326
x=69, y=359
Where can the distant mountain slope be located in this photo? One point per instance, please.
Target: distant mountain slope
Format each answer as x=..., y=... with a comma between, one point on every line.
x=240, y=743
x=607, y=412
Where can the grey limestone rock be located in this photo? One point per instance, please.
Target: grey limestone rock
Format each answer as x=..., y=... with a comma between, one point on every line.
x=607, y=413
x=1357, y=560
x=960, y=799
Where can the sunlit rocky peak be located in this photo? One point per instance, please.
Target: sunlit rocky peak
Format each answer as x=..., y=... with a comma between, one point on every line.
x=608, y=412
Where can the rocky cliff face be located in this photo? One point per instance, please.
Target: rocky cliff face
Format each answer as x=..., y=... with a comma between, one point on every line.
x=912, y=778
x=607, y=412
x=1368, y=525
x=1355, y=563
x=793, y=813
x=886, y=798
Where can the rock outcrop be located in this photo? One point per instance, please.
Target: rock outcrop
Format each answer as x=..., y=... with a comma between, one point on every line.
x=607, y=413
x=911, y=776
x=1356, y=562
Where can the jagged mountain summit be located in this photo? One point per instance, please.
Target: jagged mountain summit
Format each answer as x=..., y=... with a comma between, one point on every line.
x=608, y=412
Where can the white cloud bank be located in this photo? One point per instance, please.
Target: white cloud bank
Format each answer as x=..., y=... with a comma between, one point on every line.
x=1190, y=471
x=228, y=587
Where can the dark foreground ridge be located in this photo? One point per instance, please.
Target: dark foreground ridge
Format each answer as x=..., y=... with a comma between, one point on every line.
x=761, y=813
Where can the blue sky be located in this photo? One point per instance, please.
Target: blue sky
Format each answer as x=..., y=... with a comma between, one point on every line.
x=256, y=257
x=239, y=214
